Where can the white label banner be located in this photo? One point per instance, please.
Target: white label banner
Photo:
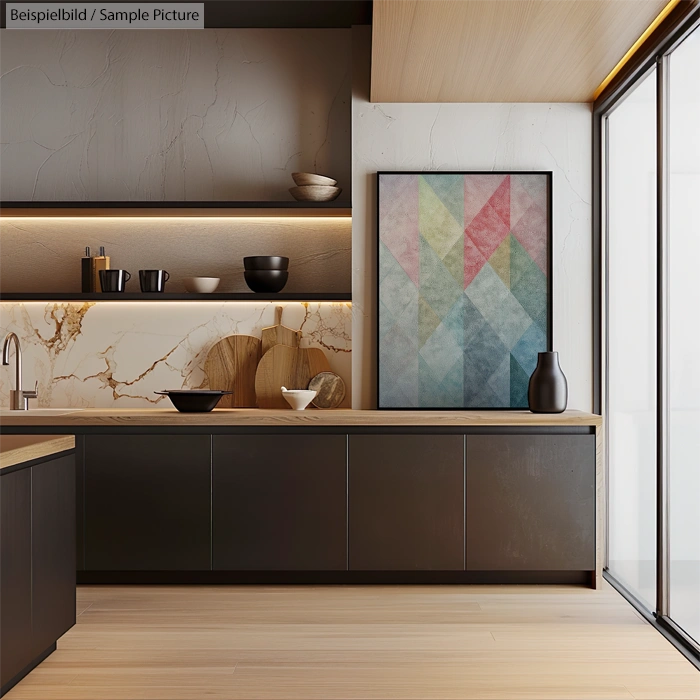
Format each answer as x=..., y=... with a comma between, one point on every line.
x=118, y=15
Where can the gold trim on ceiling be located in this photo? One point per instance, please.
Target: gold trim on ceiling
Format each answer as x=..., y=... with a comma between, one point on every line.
x=633, y=49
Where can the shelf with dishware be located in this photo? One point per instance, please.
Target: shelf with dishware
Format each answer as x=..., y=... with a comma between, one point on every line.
x=265, y=275
x=314, y=195
x=315, y=213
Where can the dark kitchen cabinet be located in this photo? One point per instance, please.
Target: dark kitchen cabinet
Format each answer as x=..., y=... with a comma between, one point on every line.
x=406, y=496
x=147, y=502
x=37, y=562
x=53, y=551
x=80, y=502
x=530, y=502
x=279, y=502
x=15, y=573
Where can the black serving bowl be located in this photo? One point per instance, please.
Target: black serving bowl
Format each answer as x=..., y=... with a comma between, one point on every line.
x=266, y=262
x=266, y=281
x=194, y=400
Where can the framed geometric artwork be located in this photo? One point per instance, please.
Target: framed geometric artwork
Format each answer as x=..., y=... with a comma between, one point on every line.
x=464, y=287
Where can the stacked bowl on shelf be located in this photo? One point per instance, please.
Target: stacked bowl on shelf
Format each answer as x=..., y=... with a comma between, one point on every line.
x=266, y=274
x=314, y=188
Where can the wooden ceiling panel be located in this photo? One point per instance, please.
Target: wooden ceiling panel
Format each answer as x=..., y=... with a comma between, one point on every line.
x=501, y=50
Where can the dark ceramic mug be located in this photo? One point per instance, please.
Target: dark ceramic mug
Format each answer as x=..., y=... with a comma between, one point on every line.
x=114, y=280
x=153, y=280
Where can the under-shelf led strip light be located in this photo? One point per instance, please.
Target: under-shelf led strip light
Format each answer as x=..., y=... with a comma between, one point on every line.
x=156, y=218
x=146, y=302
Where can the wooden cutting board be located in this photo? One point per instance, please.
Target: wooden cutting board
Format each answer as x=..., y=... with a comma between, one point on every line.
x=279, y=334
x=282, y=366
x=329, y=388
x=230, y=366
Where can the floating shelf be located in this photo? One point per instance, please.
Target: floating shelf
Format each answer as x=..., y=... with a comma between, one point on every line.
x=173, y=209
x=184, y=296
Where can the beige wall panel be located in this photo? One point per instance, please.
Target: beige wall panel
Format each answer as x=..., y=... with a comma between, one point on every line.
x=175, y=115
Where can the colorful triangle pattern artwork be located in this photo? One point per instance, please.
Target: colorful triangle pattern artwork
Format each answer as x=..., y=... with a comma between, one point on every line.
x=463, y=287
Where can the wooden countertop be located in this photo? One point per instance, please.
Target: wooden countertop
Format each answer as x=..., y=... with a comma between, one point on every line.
x=242, y=417
x=15, y=449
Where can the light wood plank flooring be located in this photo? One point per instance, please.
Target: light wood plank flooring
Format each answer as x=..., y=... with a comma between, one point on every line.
x=491, y=642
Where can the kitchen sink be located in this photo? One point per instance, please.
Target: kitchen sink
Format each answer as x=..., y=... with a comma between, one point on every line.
x=39, y=412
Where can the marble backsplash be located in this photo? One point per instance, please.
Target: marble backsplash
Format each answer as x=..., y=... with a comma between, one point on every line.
x=104, y=355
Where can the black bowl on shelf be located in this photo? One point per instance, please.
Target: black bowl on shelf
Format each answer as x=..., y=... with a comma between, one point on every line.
x=194, y=400
x=266, y=281
x=266, y=262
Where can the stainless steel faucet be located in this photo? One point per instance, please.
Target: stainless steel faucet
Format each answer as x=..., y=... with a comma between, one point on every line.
x=18, y=397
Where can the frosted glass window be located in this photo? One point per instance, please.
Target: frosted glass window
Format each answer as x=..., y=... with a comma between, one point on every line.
x=684, y=336
x=631, y=407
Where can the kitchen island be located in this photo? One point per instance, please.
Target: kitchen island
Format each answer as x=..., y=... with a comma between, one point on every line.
x=37, y=550
x=246, y=495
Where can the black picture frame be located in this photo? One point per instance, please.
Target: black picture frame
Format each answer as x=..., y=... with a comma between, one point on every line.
x=550, y=306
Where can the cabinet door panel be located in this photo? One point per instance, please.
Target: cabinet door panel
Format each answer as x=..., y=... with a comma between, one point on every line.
x=406, y=496
x=15, y=573
x=147, y=502
x=80, y=502
x=279, y=502
x=53, y=551
x=530, y=502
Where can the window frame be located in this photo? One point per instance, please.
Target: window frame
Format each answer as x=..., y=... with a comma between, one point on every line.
x=652, y=56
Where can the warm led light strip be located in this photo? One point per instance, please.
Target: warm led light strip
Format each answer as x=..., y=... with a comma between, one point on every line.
x=141, y=304
x=156, y=218
x=647, y=32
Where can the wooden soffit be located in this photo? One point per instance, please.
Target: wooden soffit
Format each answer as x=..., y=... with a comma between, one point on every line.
x=501, y=50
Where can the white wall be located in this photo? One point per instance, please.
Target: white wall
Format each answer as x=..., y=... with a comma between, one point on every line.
x=553, y=137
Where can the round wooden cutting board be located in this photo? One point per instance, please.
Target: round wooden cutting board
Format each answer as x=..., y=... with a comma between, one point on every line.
x=230, y=366
x=329, y=388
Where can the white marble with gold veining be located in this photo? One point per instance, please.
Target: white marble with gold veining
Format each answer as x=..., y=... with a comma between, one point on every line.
x=116, y=354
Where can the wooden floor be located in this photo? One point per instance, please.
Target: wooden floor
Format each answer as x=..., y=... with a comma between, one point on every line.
x=359, y=642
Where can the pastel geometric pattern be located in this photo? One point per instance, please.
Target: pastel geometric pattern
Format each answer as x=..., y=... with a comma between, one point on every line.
x=463, y=288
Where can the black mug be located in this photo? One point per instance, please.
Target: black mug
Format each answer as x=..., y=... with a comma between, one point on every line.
x=114, y=280
x=153, y=280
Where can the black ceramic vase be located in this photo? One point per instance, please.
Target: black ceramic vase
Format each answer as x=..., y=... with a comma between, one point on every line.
x=548, y=391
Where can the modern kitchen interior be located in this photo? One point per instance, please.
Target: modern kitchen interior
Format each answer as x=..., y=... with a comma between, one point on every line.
x=350, y=350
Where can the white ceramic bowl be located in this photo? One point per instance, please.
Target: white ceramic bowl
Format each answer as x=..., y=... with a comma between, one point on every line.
x=313, y=179
x=298, y=399
x=201, y=285
x=315, y=193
